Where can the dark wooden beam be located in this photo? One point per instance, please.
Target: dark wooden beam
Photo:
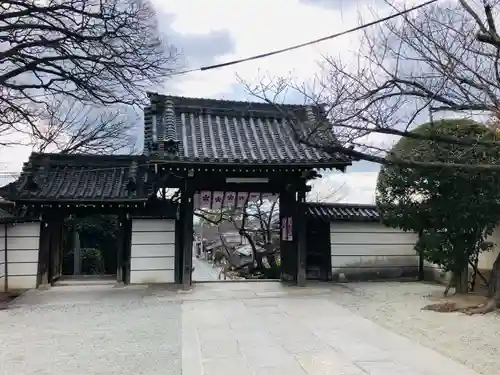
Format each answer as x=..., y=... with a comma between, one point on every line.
x=179, y=246
x=215, y=180
x=159, y=164
x=127, y=249
x=187, y=205
x=50, y=230
x=301, y=233
x=43, y=254
x=6, y=258
x=56, y=248
x=288, y=249
x=120, y=248
x=156, y=208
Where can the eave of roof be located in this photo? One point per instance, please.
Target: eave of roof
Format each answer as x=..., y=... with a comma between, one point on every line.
x=342, y=212
x=81, y=178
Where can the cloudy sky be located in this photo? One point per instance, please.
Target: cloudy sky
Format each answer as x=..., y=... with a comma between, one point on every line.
x=209, y=32
x=220, y=30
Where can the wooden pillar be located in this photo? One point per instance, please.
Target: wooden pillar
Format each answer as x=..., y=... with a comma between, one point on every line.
x=44, y=252
x=179, y=246
x=127, y=249
x=120, y=249
x=77, y=257
x=56, y=248
x=6, y=258
x=301, y=236
x=288, y=245
x=187, y=235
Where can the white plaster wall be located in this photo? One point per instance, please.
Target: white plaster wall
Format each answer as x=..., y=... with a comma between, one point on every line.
x=487, y=258
x=358, y=248
x=22, y=255
x=2, y=258
x=485, y=263
x=153, y=251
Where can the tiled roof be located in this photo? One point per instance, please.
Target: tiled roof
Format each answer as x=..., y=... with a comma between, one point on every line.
x=79, y=177
x=17, y=217
x=342, y=212
x=219, y=131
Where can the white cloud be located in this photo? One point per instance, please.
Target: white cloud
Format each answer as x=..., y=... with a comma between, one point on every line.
x=12, y=157
x=261, y=26
x=256, y=26
x=350, y=187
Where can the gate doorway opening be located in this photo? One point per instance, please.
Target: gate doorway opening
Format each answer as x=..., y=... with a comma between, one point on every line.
x=236, y=236
x=90, y=248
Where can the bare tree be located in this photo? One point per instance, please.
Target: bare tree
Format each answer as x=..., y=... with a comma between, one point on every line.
x=69, y=127
x=255, y=216
x=330, y=196
x=416, y=68
x=441, y=61
x=258, y=221
x=99, y=52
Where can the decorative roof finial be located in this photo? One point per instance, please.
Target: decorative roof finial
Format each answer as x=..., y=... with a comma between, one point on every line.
x=169, y=129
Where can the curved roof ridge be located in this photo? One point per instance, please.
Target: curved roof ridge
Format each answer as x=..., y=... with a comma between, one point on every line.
x=228, y=101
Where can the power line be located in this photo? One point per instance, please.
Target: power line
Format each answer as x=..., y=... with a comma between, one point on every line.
x=275, y=52
x=290, y=48
x=301, y=45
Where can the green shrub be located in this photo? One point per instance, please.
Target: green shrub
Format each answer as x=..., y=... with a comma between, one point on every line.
x=92, y=261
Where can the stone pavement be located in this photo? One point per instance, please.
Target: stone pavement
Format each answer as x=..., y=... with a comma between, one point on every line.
x=235, y=328
x=203, y=271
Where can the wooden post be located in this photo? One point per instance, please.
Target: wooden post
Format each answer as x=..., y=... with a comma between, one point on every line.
x=179, y=246
x=301, y=234
x=56, y=249
x=44, y=254
x=127, y=250
x=6, y=260
x=119, y=250
x=187, y=235
x=288, y=248
x=76, y=251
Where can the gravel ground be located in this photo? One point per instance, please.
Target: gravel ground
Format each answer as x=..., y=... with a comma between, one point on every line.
x=92, y=330
x=140, y=330
x=472, y=340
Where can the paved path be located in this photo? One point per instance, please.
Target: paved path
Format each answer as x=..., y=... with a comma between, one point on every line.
x=217, y=329
x=203, y=271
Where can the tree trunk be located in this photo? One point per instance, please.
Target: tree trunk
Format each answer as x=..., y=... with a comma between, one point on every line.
x=256, y=256
x=475, y=272
x=493, y=292
x=493, y=286
x=462, y=281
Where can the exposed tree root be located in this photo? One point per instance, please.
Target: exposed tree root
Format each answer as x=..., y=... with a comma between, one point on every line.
x=446, y=307
x=470, y=303
x=486, y=308
x=442, y=307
